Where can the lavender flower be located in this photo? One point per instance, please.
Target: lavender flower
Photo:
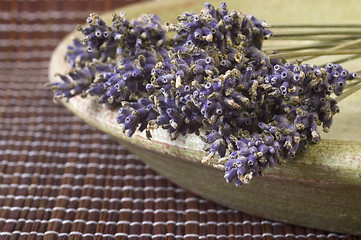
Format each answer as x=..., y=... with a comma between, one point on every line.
x=78, y=81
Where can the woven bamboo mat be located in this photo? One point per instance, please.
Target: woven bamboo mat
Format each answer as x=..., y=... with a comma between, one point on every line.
x=63, y=179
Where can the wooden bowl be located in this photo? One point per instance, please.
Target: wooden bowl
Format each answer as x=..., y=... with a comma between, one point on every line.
x=321, y=188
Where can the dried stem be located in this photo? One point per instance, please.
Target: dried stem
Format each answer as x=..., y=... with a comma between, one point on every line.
x=315, y=53
x=316, y=26
x=350, y=91
x=350, y=85
x=343, y=60
x=316, y=38
x=304, y=47
x=346, y=45
x=317, y=33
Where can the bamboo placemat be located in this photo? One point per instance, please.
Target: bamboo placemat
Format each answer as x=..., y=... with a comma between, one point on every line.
x=62, y=179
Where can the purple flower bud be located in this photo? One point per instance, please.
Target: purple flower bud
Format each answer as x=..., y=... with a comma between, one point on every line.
x=230, y=175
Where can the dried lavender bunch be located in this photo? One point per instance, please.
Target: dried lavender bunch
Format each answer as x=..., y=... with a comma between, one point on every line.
x=212, y=79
